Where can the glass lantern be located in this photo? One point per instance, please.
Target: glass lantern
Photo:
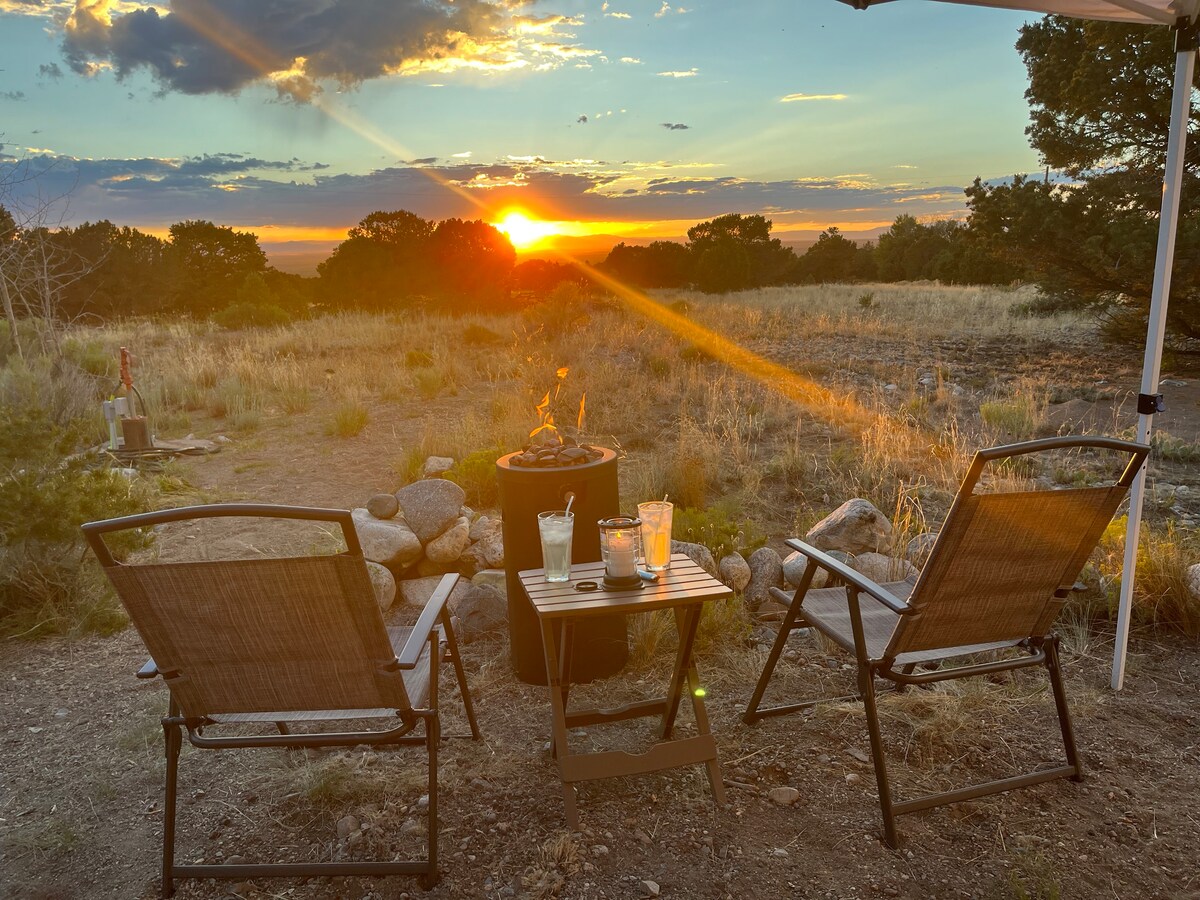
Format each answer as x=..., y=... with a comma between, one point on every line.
x=620, y=540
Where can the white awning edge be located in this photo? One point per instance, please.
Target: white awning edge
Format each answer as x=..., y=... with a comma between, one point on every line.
x=1135, y=12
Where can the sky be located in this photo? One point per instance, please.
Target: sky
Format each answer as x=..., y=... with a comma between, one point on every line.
x=637, y=118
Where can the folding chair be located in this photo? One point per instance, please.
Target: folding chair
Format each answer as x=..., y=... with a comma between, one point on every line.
x=289, y=643
x=996, y=578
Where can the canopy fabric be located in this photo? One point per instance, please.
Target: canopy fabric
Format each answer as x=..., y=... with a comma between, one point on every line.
x=1143, y=12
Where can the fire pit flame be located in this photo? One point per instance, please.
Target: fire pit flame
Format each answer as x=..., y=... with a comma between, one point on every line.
x=547, y=447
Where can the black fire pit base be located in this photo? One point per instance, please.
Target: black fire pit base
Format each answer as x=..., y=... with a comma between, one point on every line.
x=632, y=583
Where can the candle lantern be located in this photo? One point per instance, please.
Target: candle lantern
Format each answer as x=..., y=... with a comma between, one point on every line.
x=619, y=540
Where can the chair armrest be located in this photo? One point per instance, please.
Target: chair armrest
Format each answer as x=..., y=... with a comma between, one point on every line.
x=849, y=575
x=149, y=670
x=410, y=653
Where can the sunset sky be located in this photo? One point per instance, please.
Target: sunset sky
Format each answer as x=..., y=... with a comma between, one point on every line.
x=295, y=118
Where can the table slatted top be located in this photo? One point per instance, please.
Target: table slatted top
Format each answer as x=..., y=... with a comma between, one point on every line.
x=684, y=583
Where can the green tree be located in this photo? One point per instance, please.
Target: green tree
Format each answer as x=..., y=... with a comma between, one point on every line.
x=210, y=262
x=473, y=264
x=125, y=270
x=384, y=262
x=661, y=264
x=834, y=257
x=734, y=252
x=1099, y=96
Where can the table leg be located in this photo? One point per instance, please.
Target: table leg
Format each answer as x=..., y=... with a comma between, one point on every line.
x=712, y=766
x=686, y=622
x=558, y=712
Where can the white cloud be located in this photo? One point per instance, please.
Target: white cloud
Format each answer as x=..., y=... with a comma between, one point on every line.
x=631, y=60
x=798, y=98
x=690, y=73
x=666, y=9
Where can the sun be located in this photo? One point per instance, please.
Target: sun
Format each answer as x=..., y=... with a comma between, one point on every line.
x=523, y=231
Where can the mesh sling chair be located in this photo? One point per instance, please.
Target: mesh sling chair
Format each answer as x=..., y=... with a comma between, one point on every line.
x=277, y=646
x=996, y=578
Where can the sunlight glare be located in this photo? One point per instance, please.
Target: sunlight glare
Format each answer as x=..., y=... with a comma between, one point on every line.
x=523, y=231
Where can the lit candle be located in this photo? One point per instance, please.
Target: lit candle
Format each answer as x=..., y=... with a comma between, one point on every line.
x=622, y=554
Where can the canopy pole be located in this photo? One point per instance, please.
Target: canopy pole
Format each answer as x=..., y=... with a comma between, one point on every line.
x=1149, y=401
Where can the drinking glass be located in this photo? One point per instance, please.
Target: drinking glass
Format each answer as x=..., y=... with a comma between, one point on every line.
x=555, y=528
x=656, y=533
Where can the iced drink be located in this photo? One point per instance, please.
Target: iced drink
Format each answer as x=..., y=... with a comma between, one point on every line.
x=555, y=529
x=656, y=534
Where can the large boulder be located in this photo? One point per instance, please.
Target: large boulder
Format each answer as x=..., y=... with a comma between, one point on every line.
x=448, y=546
x=918, y=548
x=882, y=569
x=793, y=570
x=735, y=571
x=417, y=591
x=766, y=572
x=384, y=584
x=856, y=526
x=699, y=554
x=1193, y=581
x=430, y=506
x=478, y=610
x=387, y=541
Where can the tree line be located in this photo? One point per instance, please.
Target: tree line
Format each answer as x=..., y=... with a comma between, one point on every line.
x=1099, y=96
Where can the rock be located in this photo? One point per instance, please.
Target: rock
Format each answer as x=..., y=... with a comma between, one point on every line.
x=918, y=548
x=384, y=584
x=495, y=578
x=346, y=826
x=699, y=554
x=650, y=888
x=793, y=570
x=480, y=527
x=383, y=506
x=488, y=535
x=1192, y=578
x=783, y=796
x=735, y=571
x=390, y=541
x=766, y=572
x=853, y=778
x=448, y=546
x=430, y=506
x=417, y=591
x=480, y=609
x=436, y=465
x=882, y=569
x=427, y=568
x=856, y=526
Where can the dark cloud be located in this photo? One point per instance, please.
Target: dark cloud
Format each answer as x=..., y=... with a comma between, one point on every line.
x=582, y=120
x=50, y=70
x=675, y=126
x=241, y=190
x=423, y=161
x=221, y=46
x=12, y=95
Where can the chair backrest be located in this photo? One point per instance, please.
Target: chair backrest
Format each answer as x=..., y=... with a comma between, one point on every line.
x=1004, y=564
x=259, y=635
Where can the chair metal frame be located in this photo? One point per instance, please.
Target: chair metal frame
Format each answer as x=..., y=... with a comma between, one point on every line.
x=417, y=726
x=1039, y=649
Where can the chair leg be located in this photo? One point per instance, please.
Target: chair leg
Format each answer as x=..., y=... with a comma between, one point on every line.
x=460, y=674
x=172, y=741
x=866, y=686
x=1060, y=703
x=433, y=736
x=751, y=715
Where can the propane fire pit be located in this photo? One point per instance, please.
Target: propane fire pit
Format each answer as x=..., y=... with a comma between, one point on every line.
x=541, y=477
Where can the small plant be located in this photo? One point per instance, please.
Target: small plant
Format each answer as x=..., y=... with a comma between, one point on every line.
x=1172, y=449
x=476, y=475
x=429, y=383
x=659, y=366
x=716, y=529
x=866, y=300
x=239, y=316
x=1016, y=417
x=480, y=336
x=349, y=419
x=417, y=359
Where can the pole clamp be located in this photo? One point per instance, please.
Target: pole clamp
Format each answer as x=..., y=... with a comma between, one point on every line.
x=1149, y=404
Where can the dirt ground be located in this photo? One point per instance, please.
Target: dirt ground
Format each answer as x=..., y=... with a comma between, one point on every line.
x=81, y=765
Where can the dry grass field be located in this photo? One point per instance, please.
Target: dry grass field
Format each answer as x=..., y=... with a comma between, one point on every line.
x=761, y=412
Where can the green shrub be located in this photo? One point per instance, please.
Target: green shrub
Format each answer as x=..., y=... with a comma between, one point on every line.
x=48, y=583
x=1016, y=417
x=716, y=528
x=480, y=336
x=349, y=420
x=476, y=475
x=417, y=359
x=238, y=316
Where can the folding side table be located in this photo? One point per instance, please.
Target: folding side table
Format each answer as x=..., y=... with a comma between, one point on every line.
x=683, y=588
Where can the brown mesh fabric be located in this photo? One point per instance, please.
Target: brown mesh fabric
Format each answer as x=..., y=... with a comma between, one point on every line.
x=248, y=636
x=997, y=563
